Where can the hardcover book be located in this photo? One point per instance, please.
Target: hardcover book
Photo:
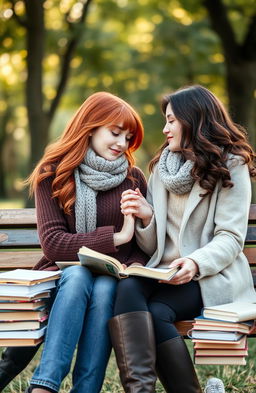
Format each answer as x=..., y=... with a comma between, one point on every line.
x=25, y=290
x=24, y=342
x=23, y=315
x=231, y=360
x=233, y=312
x=19, y=334
x=28, y=277
x=215, y=335
x=22, y=305
x=216, y=344
x=202, y=323
x=13, y=298
x=105, y=264
x=221, y=352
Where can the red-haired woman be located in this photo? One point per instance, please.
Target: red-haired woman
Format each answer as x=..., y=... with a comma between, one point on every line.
x=195, y=217
x=78, y=186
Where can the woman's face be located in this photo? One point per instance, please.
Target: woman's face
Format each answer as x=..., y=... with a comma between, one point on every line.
x=110, y=142
x=172, y=130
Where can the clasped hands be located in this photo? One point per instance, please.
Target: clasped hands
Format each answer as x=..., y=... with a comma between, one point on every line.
x=134, y=204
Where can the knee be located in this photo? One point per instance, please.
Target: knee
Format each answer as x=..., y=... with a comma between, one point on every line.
x=155, y=310
x=161, y=312
x=76, y=280
x=104, y=292
x=128, y=286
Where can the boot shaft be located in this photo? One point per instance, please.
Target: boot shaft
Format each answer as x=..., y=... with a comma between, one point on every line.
x=132, y=336
x=175, y=368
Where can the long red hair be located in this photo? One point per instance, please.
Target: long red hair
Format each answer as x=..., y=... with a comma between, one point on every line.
x=62, y=157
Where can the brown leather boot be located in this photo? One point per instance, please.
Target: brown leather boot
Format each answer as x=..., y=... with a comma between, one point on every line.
x=175, y=368
x=133, y=340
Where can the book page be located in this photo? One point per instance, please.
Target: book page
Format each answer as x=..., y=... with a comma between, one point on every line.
x=99, y=265
x=155, y=273
x=95, y=256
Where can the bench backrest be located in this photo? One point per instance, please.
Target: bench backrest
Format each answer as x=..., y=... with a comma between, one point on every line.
x=20, y=247
x=19, y=242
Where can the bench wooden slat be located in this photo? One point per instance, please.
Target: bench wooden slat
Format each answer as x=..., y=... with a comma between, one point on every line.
x=251, y=235
x=184, y=326
x=19, y=238
x=19, y=259
x=27, y=216
x=250, y=253
x=252, y=214
x=17, y=217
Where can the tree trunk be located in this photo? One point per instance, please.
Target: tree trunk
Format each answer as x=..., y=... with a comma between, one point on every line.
x=3, y=137
x=3, y=193
x=240, y=61
x=38, y=125
x=241, y=84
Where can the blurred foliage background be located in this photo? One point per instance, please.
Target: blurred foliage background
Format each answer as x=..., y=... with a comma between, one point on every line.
x=55, y=53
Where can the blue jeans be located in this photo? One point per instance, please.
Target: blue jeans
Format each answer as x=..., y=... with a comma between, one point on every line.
x=79, y=315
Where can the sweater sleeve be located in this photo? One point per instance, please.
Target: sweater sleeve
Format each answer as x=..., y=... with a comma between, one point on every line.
x=57, y=241
x=146, y=236
x=137, y=254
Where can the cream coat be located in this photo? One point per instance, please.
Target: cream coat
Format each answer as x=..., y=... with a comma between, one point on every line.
x=212, y=233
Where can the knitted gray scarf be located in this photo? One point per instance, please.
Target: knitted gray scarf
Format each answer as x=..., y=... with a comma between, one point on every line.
x=175, y=172
x=95, y=174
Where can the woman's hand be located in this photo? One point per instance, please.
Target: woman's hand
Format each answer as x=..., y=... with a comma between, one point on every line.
x=127, y=231
x=133, y=202
x=188, y=269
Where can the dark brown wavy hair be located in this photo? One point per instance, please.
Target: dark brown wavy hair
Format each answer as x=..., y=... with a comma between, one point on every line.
x=62, y=157
x=208, y=136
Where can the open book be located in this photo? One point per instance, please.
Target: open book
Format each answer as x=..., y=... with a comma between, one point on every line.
x=104, y=264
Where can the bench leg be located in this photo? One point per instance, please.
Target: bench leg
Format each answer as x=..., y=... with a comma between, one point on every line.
x=14, y=360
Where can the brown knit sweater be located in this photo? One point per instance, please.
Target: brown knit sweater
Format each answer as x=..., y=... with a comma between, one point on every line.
x=57, y=232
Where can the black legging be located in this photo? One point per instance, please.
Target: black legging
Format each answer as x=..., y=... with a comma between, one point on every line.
x=167, y=303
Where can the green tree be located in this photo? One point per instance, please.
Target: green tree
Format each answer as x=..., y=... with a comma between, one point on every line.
x=239, y=48
x=41, y=110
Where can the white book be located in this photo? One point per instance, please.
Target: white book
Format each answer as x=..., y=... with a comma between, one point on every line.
x=215, y=335
x=28, y=276
x=24, y=334
x=25, y=290
x=232, y=312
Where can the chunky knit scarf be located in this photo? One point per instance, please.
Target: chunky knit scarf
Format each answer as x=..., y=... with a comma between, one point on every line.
x=175, y=172
x=95, y=174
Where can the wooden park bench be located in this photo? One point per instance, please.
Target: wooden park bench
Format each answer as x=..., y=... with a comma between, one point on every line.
x=20, y=247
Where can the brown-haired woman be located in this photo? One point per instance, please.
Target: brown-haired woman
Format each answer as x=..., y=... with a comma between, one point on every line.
x=195, y=217
x=78, y=186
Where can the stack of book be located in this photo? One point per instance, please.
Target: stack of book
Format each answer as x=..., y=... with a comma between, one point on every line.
x=23, y=306
x=220, y=334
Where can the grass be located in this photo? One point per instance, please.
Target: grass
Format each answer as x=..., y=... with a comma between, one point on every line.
x=237, y=379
